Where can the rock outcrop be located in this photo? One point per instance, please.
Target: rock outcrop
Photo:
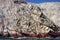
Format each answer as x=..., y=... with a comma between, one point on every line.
x=52, y=11
x=19, y=18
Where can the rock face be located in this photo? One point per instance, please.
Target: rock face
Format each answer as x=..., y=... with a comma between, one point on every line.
x=52, y=10
x=24, y=19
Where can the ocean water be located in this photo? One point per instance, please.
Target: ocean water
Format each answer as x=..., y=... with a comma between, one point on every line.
x=8, y=38
x=42, y=1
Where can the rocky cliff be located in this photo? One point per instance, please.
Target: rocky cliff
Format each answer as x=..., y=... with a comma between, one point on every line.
x=52, y=10
x=19, y=18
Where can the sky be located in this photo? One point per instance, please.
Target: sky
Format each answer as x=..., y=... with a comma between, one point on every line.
x=40, y=1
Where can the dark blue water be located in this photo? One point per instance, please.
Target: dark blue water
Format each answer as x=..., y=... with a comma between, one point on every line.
x=41, y=1
x=7, y=38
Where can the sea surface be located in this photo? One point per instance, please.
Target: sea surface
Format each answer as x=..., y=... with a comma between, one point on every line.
x=9, y=38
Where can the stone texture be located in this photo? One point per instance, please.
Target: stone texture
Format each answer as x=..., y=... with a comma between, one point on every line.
x=52, y=11
x=25, y=18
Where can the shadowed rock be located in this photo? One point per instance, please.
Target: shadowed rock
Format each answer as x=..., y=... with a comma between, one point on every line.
x=19, y=1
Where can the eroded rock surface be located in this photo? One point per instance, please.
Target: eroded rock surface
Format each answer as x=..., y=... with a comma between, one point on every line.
x=23, y=18
x=52, y=10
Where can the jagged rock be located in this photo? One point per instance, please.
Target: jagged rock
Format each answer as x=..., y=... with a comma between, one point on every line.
x=24, y=19
x=51, y=10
